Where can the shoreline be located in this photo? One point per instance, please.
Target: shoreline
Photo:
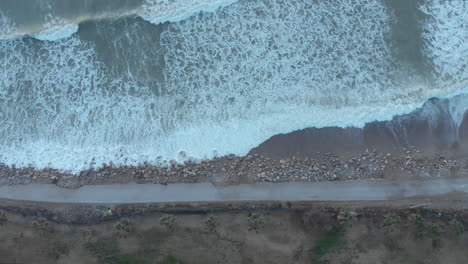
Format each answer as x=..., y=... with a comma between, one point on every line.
x=406, y=147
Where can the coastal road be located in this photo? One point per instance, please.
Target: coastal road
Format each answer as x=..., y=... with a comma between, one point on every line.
x=376, y=190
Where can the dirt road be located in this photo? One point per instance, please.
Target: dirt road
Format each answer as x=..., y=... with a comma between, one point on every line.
x=377, y=190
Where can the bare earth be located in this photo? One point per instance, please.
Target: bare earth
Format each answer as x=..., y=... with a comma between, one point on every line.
x=422, y=230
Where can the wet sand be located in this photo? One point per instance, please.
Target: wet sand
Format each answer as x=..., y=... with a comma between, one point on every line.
x=407, y=147
x=397, y=136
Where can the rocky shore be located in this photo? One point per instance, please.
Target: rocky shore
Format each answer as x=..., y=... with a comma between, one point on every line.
x=371, y=164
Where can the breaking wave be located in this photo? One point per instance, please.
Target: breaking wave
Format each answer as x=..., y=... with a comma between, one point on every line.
x=153, y=11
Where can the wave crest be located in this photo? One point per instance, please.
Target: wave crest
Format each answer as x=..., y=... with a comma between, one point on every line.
x=160, y=11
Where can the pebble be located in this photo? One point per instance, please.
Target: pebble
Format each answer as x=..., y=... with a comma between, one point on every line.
x=322, y=167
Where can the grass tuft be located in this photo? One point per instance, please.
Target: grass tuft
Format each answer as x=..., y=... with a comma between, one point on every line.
x=332, y=241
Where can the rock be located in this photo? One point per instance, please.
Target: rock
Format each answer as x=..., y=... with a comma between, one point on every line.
x=70, y=183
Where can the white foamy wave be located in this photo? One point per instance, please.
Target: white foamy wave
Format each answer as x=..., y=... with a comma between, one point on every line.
x=445, y=34
x=60, y=109
x=160, y=11
x=55, y=28
x=154, y=11
x=57, y=32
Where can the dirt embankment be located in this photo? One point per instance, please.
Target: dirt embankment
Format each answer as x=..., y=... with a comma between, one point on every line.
x=405, y=231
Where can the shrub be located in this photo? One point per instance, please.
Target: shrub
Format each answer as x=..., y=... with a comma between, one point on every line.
x=434, y=231
x=167, y=221
x=418, y=222
x=256, y=222
x=3, y=218
x=391, y=222
x=211, y=223
x=123, y=225
x=346, y=217
x=41, y=225
x=457, y=227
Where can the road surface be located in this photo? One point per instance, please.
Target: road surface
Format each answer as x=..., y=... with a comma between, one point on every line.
x=376, y=190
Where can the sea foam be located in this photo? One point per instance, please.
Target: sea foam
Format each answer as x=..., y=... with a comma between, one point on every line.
x=160, y=11
x=445, y=35
x=56, y=32
x=154, y=11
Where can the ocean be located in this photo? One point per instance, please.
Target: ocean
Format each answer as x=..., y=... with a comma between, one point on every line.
x=127, y=82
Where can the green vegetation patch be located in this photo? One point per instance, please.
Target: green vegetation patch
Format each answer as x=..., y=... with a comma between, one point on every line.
x=126, y=259
x=41, y=225
x=391, y=220
x=434, y=231
x=256, y=222
x=457, y=227
x=3, y=218
x=123, y=225
x=334, y=240
x=211, y=223
x=423, y=228
x=129, y=259
x=167, y=221
x=346, y=217
x=170, y=260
